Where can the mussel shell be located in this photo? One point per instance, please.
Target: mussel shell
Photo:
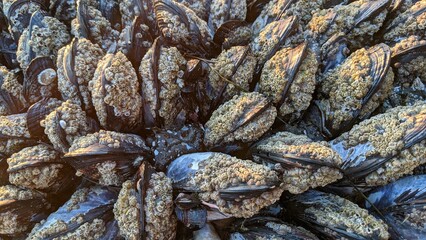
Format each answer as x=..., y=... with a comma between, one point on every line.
x=417, y=11
x=357, y=162
x=150, y=120
x=14, y=105
x=254, y=7
x=408, y=54
x=286, y=27
x=335, y=52
x=184, y=167
x=299, y=207
x=110, y=9
x=32, y=87
x=256, y=227
x=113, y=122
x=297, y=56
x=82, y=15
x=142, y=183
x=193, y=218
x=24, y=19
x=8, y=50
x=98, y=203
x=226, y=29
x=195, y=43
x=29, y=212
x=35, y=114
x=380, y=57
x=290, y=161
x=251, y=112
x=369, y=11
x=86, y=159
x=68, y=62
x=36, y=20
x=136, y=42
x=263, y=20
x=66, y=180
x=170, y=144
x=397, y=199
x=63, y=10
x=218, y=97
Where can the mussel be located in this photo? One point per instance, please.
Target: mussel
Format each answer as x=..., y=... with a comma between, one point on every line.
x=235, y=187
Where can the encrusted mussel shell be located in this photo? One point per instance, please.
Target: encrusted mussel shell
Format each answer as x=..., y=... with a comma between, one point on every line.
x=8, y=50
x=409, y=59
x=91, y=24
x=192, y=213
x=239, y=188
x=12, y=100
x=183, y=28
x=289, y=79
x=385, y=147
x=115, y=93
x=18, y=13
x=135, y=40
x=409, y=62
x=334, y=217
x=143, y=9
x=410, y=22
x=358, y=20
x=20, y=209
x=401, y=205
x=353, y=90
x=244, y=118
x=37, y=113
x=87, y=214
x=110, y=10
x=169, y=144
x=281, y=9
x=271, y=38
x=43, y=38
x=63, y=10
x=222, y=11
x=233, y=33
x=399, y=6
x=40, y=80
x=14, y=134
x=272, y=11
x=40, y=168
x=162, y=70
x=259, y=227
x=76, y=65
x=109, y=158
x=144, y=208
x=65, y=124
x=200, y=7
x=303, y=163
x=231, y=73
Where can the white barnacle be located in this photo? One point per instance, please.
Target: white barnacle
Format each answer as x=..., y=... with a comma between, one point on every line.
x=63, y=124
x=46, y=77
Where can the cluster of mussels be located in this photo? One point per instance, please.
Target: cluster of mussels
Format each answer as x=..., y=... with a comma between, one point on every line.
x=130, y=119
